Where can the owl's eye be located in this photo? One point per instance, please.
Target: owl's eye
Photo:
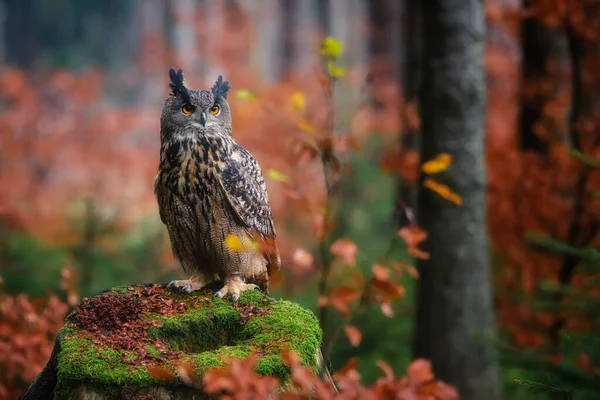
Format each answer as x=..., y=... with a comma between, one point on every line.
x=215, y=110
x=188, y=108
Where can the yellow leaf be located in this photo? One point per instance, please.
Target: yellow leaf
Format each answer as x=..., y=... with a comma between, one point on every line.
x=443, y=191
x=245, y=95
x=332, y=47
x=233, y=242
x=305, y=126
x=298, y=101
x=335, y=70
x=278, y=176
x=438, y=164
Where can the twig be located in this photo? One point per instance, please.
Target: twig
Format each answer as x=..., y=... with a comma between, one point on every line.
x=364, y=290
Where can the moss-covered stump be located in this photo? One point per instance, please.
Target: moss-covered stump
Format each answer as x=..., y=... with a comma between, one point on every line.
x=112, y=344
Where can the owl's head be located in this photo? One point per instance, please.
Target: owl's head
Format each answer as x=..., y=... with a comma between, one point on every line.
x=189, y=113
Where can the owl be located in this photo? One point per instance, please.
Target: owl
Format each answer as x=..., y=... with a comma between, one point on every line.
x=211, y=194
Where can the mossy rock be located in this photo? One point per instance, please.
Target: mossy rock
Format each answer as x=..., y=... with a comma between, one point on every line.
x=112, y=345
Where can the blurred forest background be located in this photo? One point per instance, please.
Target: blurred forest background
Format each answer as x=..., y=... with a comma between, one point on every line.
x=81, y=89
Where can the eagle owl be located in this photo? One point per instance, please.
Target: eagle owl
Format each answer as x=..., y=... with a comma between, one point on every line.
x=210, y=190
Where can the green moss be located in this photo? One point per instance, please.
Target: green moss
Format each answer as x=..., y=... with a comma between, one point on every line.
x=212, y=331
x=153, y=351
x=213, y=359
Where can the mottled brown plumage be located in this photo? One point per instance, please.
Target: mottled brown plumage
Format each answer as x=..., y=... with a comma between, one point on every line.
x=209, y=187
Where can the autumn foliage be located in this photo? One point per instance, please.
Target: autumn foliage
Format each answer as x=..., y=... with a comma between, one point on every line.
x=27, y=331
x=65, y=140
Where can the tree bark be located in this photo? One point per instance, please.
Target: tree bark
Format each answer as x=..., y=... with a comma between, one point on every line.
x=454, y=311
x=542, y=46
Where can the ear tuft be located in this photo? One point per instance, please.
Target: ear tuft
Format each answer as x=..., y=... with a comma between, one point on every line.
x=221, y=88
x=177, y=85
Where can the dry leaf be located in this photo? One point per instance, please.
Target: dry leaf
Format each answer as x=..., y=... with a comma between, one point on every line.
x=160, y=373
x=341, y=297
x=386, y=309
x=441, y=163
x=345, y=250
x=444, y=191
x=354, y=335
x=419, y=372
x=302, y=259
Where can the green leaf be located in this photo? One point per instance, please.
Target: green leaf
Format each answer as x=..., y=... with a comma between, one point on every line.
x=278, y=176
x=585, y=253
x=246, y=95
x=585, y=158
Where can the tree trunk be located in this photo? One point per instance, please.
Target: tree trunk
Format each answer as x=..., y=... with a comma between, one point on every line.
x=184, y=34
x=455, y=319
x=542, y=46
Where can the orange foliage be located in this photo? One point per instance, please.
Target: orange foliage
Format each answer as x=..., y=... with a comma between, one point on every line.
x=239, y=381
x=546, y=191
x=27, y=331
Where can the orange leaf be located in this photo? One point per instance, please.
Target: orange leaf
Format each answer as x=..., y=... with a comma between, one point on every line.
x=386, y=309
x=443, y=191
x=349, y=366
x=187, y=374
x=323, y=301
x=412, y=271
x=354, y=335
x=419, y=372
x=380, y=272
x=441, y=163
x=387, y=370
x=302, y=259
x=413, y=236
x=345, y=250
x=341, y=297
x=160, y=373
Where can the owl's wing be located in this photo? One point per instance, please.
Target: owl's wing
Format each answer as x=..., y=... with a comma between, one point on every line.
x=160, y=197
x=244, y=187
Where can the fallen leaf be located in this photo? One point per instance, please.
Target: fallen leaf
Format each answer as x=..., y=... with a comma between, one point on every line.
x=160, y=373
x=187, y=374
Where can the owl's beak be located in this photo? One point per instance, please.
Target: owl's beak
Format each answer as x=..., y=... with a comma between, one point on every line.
x=203, y=118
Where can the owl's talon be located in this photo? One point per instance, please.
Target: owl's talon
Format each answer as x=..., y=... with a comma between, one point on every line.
x=190, y=285
x=235, y=286
x=178, y=284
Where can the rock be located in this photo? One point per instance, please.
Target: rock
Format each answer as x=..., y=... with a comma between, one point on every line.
x=131, y=342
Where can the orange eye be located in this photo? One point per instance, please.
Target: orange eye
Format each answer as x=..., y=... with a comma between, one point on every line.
x=215, y=110
x=188, y=108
